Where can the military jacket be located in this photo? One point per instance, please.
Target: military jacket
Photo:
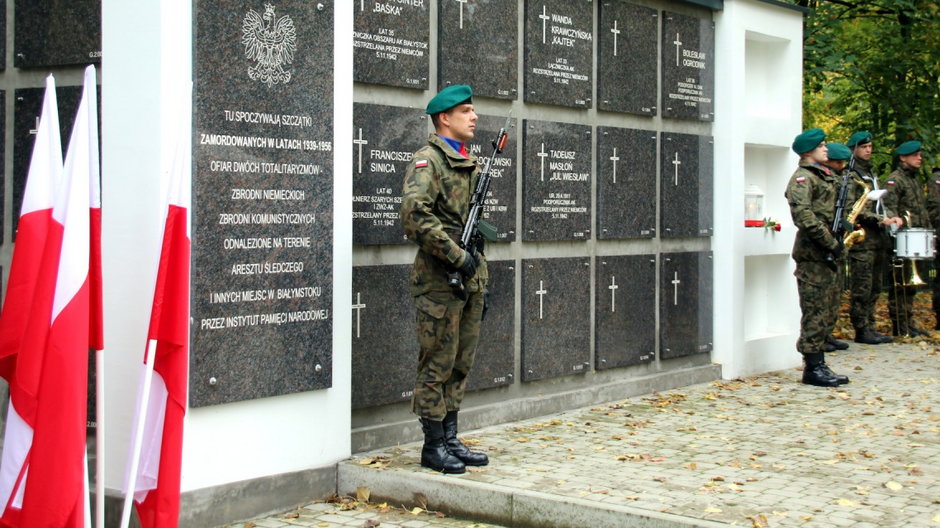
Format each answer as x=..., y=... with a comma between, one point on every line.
x=811, y=194
x=438, y=185
x=905, y=197
x=868, y=218
x=933, y=198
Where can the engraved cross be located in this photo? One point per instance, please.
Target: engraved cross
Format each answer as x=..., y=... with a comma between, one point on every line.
x=461, y=2
x=676, y=163
x=613, y=293
x=544, y=18
x=541, y=293
x=675, y=288
x=615, y=158
x=678, y=43
x=616, y=32
x=542, y=154
x=360, y=142
x=358, y=307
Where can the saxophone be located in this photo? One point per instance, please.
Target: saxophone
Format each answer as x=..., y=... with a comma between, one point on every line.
x=858, y=235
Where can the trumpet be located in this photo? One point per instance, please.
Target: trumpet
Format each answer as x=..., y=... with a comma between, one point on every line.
x=857, y=236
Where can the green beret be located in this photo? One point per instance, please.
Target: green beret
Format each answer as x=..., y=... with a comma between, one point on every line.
x=808, y=140
x=450, y=97
x=859, y=138
x=908, y=147
x=838, y=152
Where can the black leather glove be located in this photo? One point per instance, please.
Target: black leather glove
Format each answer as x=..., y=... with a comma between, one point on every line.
x=838, y=250
x=469, y=267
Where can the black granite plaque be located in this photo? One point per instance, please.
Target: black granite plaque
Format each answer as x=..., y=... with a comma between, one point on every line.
x=477, y=45
x=685, y=302
x=384, y=139
x=688, y=67
x=3, y=37
x=262, y=287
x=686, y=183
x=390, y=41
x=626, y=58
x=384, y=345
x=556, y=317
x=559, y=49
x=626, y=183
x=556, y=185
x=27, y=107
x=495, y=356
x=56, y=33
x=625, y=311
x=500, y=208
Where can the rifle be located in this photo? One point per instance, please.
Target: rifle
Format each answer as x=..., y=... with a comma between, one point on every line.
x=475, y=228
x=838, y=227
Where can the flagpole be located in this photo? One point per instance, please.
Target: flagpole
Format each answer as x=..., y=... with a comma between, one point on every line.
x=99, y=440
x=142, y=405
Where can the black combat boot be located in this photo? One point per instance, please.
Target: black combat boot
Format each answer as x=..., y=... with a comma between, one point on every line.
x=840, y=379
x=833, y=344
x=882, y=337
x=816, y=373
x=456, y=447
x=914, y=331
x=868, y=337
x=434, y=454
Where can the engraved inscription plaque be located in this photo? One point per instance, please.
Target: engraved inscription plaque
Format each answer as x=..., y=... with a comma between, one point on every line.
x=56, y=33
x=626, y=183
x=493, y=364
x=384, y=139
x=262, y=285
x=625, y=310
x=626, y=58
x=559, y=44
x=556, y=186
x=477, y=45
x=390, y=41
x=686, y=200
x=685, y=302
x=688, y=56
x=500, y=208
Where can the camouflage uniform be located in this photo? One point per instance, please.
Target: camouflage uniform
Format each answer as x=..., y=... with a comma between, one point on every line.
x=811, y=194
x=905, y=198
x=868, y=260
x=933, y=210
x=436, y=200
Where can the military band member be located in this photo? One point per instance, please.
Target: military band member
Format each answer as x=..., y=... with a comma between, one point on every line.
x=837, y=159
x=906, y=198
x=811, y=193
x=436, y=197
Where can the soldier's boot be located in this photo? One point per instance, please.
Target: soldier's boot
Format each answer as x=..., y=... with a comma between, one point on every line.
x=834, y=344
x=840, y=379
x=434, y=454
x=815, y=373
x=456, y=447
x=868, y=336
x=914, y=331
x=882, y=337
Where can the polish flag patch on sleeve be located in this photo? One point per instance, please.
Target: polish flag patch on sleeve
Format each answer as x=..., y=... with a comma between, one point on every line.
x=421, y=163
x=890, y=182
x=800, y=179
x=937, y=182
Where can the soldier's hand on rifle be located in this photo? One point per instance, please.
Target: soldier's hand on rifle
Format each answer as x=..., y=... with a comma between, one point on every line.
x=469, y=266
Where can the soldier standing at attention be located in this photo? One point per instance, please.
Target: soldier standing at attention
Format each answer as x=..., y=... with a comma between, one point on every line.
x=933, y=209
x=906, y=198
x=811, y=194
x=438, y=186
x=868, y=259
x=837, y=158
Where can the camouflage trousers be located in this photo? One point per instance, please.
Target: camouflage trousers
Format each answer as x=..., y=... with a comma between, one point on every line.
x=448, y=332
x=901, y=294
x=866, y=269
x=819, y=303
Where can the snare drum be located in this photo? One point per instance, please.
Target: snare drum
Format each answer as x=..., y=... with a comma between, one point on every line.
x=914, y=243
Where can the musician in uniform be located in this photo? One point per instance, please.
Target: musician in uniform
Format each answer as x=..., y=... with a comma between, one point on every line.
x=811, y=193
x=868, y=258
x=933, y=209
x=906, y=198
x=438, y=185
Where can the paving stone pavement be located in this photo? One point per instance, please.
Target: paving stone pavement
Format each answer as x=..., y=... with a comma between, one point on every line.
x=764, y=451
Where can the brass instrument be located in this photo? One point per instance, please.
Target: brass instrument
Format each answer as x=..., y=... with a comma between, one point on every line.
x=857, y=236
x=914, y=279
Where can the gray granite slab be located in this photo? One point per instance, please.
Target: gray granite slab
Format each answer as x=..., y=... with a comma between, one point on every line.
x=391, y=43
x=384, y=344
x=688, y=57
x=56, y=33
x=626, y=58
x=478, y=45
x=384, y=139
x=262, y=202
x=626, y=183
x=495, y=356
x=559, y=52
x=685, y=302
x=500, y=208
x=556, y=185
x=625, y=311
x=686, y=185
x=556, y=317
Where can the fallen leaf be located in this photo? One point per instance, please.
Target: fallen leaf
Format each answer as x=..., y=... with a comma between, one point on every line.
x=844, y=502
x=363, y=493
x=370, y=523
x=416, y=510
x=712, y=510
x=893, y=486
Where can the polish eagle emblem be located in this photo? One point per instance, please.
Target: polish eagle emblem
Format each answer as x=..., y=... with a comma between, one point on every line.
x=270, y=42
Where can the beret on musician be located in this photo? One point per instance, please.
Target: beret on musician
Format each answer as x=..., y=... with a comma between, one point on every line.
x=859, y=138
x=908, y=147
x=838, y=152
x=808, y=140
x=450, y=97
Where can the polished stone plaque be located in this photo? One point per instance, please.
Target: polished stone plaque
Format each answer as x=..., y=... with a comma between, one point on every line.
x=495, y=354
x=56, y=33
x=688, y=57
x=625, y=310
x=626, y=183
x=686, y=183
x=384, y=139
x=262, y=283
x=559, y=44
x=626, y=58
x=500, y=207
x=477, y=45
x=556, y=185
x=3, y=38
x=685, y=302
x=390, y=43
x=556, y=317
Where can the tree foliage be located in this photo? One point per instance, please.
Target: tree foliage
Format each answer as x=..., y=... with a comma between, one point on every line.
x=874, y=65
